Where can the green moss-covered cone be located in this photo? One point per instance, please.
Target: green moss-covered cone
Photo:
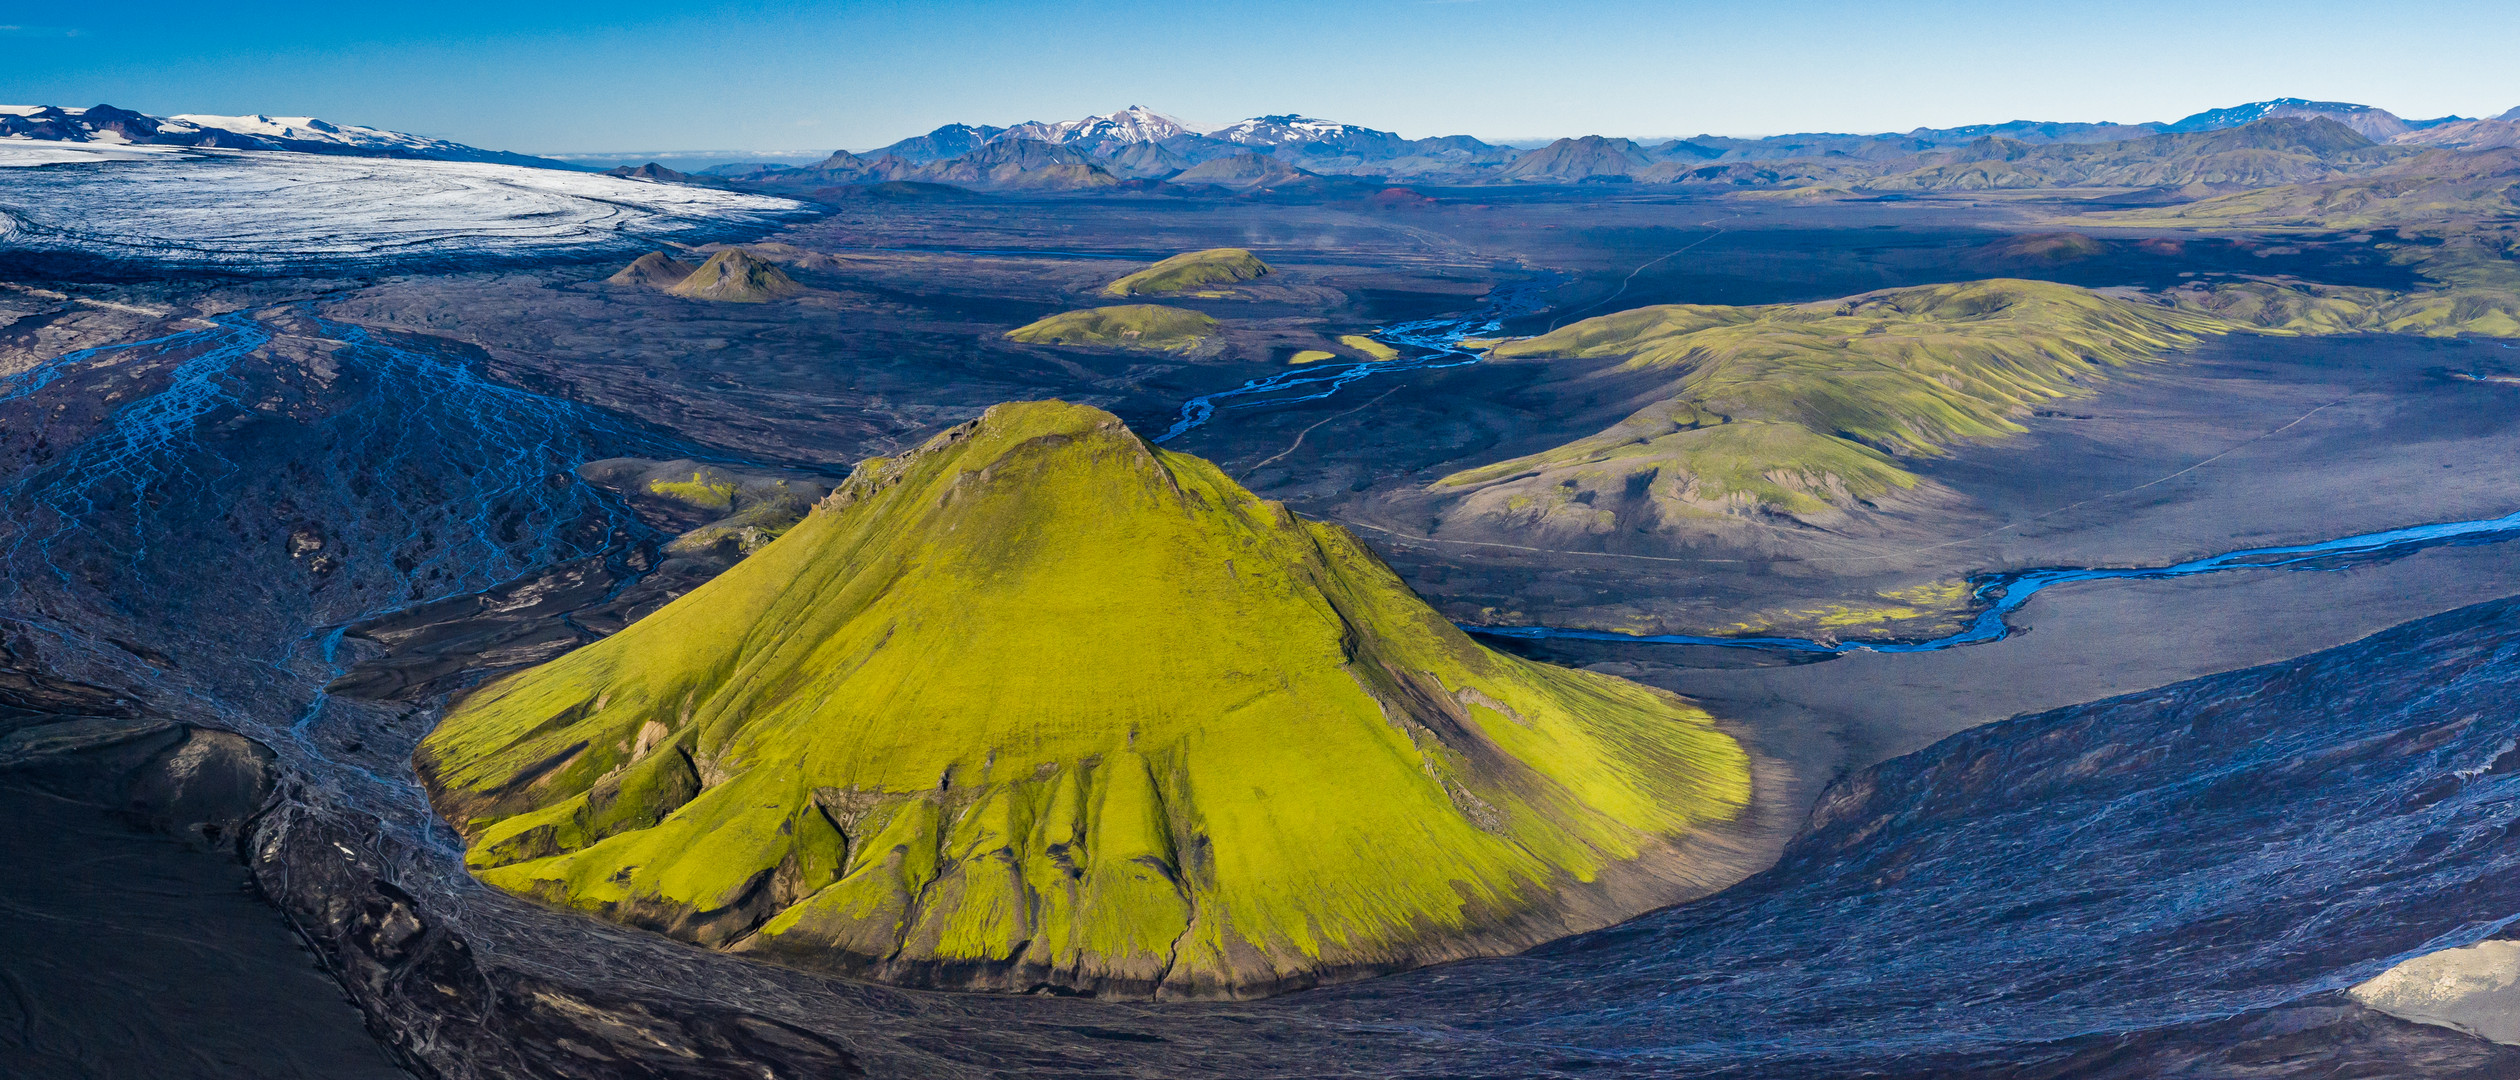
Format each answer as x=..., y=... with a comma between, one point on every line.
x=1191, y=272
x=734, y=276
x=1041, y=705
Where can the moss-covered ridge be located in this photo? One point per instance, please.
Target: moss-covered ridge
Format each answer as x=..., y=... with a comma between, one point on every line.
x=1041, y=705
x=2429, y=189
x=1121, y=326
x=1803, y=411
x=1191, y=272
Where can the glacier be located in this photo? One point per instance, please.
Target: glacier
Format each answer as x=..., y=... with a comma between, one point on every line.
x=221, y=209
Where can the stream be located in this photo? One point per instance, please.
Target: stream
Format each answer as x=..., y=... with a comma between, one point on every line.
x=2004, y=593
x=1431, y=344
x=1424, y=344
x=2000, y=890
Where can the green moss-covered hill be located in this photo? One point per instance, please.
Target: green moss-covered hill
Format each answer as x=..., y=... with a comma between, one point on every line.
x=2428, y=190
x=1121, y=326
x=1804, y=411
x=655, y=270
x=1039, y=705
x=1197, y=271
x=736, y=276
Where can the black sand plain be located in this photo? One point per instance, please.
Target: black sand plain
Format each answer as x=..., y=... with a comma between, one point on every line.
x=2246, y=441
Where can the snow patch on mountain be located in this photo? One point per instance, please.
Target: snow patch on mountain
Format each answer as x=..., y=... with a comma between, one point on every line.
x=1288, y=128
x=2378, y=125
x=310, y=129
x=1135, y=124
x=305, y=134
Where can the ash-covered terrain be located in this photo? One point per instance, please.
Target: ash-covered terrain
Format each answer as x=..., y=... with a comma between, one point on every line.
x=284, y=488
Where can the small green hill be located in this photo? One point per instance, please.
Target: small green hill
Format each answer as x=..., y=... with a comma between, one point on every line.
x=712, y=506
x=1803, y=411
x=1197, y=271
x=2051, y=247
x=1038, y=705
x=736, y=276
x=1122, y=326
x=655, y=270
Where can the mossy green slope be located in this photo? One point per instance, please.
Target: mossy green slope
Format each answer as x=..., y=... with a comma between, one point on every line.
x=1196, y=271
x=2434, y=187
x=2302, y=309
x=735, y=276
x=753, y=513
x=1121, y=326
x=1039, y=705
x=2452, y=215
x=655, y=269
x=1802, y=410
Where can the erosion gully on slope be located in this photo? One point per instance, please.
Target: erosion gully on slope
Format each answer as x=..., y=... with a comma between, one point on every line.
x=435, y=482
x=1432, y=344
x=417, y=480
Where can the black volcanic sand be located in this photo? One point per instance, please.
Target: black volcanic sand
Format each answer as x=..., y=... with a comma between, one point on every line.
x=901, y=332
x=2172, y=882
x=2246, y=442
x=210, y=608
x=130, y=954
x=135, y=946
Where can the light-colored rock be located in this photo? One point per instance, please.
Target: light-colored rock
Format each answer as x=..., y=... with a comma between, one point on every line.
x=2475, y=989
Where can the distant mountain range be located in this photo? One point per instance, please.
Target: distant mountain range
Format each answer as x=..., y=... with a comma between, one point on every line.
x=2378, y=125
x=303, y=134
x=1140, y=145
x=2279, y=141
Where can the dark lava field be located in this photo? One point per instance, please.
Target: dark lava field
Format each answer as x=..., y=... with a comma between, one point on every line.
x=263, y=521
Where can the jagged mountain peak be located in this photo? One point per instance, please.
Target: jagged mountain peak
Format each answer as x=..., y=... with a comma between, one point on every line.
x=949, y=141
x=1135, y=124
x=1284, y=128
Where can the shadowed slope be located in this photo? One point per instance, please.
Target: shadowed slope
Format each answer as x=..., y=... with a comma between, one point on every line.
x=2434, y=187
x=1038, y=705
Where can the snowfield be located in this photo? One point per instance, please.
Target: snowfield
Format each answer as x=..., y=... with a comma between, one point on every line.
x=310, y=129
x=215, y=208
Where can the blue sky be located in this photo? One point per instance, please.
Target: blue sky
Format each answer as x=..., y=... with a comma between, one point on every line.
x=630, y=75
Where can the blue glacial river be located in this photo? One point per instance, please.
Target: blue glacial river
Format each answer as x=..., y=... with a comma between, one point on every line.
x=1429, y=344
x=2003, y=594
x=1424, y=345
